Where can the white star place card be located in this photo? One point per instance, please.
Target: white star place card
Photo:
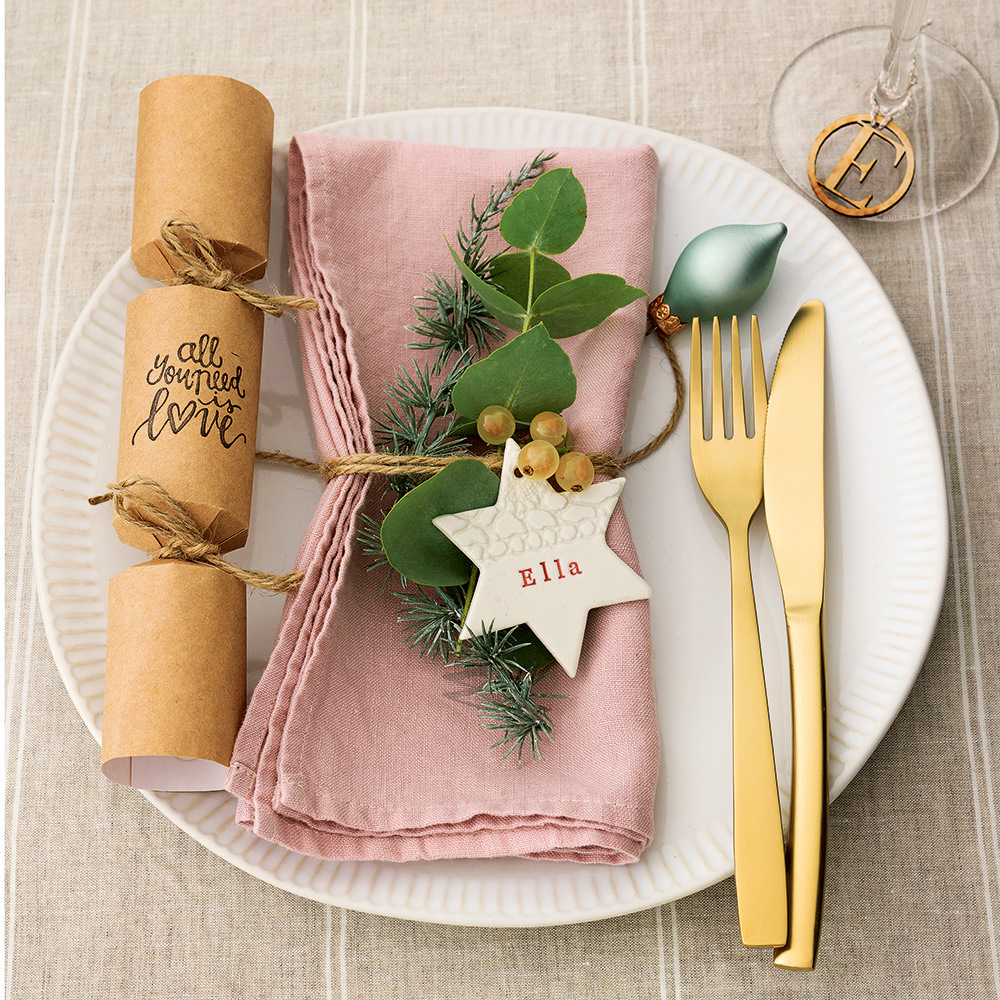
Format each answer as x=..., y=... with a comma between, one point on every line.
x=543, y=560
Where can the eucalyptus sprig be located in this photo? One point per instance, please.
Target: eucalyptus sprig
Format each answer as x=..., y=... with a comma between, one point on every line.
x=450, y=314
x=527, y=286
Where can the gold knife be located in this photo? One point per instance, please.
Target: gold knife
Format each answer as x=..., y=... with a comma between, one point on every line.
x=793, y=506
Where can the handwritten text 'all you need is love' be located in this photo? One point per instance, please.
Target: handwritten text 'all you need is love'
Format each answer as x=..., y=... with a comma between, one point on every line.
x=198, y=372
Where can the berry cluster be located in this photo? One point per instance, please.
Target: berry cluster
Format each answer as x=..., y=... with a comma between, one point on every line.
x=547, y=454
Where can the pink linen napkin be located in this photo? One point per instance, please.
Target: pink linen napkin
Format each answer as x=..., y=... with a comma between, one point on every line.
x=354, y=747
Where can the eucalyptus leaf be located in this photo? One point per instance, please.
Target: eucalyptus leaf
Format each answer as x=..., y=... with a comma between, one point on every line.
x=418, y=550
x=549, y=216
x=503, y=307
x=530, y=374
x=581, y=303
x=464, y=428
x=512, y=272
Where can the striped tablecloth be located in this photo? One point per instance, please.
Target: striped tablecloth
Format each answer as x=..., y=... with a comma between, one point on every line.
x=105, y=898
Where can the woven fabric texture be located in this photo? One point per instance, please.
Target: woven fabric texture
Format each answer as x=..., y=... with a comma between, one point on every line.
x=105, y=897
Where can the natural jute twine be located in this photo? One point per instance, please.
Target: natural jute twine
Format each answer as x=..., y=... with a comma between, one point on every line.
x=195, y=262
x=382, y=464
x=146, y=505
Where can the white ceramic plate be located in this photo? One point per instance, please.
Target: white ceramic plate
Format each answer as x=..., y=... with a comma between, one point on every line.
x=886, y=523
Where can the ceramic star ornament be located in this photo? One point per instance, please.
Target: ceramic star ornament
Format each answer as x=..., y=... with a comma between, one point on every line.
x=543, y=560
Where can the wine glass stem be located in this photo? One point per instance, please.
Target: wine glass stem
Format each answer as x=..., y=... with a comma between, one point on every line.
x=895, y=79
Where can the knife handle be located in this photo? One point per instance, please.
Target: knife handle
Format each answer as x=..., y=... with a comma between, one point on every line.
x=807, y=841
x=757, y=835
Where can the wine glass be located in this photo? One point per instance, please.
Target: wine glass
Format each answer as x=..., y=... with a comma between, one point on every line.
x=926, y=89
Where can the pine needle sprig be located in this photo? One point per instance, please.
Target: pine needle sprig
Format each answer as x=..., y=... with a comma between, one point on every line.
x=432, y=620
x=482, y=222
x=509, y=703
x=369, y=536
x=418, y=419
x=416, y=404
x=450, y=317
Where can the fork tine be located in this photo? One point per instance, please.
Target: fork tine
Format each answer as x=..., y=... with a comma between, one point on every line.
x=718, y=413
x=759, y=381
x=697, y=410
x=739, y=414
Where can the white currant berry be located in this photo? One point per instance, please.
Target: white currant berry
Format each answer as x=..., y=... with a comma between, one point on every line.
x=548, y=426
x=495, y=424
x=538, y=460
x=575, y=472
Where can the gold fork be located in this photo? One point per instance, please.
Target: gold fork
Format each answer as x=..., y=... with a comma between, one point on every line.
x=730, y=473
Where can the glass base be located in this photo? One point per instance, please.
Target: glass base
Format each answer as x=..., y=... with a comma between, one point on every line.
x=951, y=121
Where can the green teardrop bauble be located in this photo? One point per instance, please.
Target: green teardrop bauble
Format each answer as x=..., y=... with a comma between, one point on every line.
x=723, y=271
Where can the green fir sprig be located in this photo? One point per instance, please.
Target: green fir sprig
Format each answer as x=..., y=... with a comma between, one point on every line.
x=433, y=619
x=413, y=421
x=368, y=533
x=509, y=701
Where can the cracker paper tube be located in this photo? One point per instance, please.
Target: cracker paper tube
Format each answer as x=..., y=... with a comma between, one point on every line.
x=203, y=153
x=190, y=392
x=176, y=675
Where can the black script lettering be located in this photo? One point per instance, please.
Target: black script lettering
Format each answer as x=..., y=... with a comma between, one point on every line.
x=212, y=421
x=234, y=386
x=224, y=404
x=164, y=414
x=159, y=364
x=202, y=353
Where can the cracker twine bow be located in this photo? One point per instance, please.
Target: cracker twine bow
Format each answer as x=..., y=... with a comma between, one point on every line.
x=146, y=505
x=142, y=503
x=195, y=262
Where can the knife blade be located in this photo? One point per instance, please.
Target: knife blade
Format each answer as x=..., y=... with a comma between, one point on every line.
x=794, y=510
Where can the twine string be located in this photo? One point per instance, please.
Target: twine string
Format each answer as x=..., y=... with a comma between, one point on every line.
x=146, y=505
x=195, y=262
x=383, y=464
x=663, y=332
